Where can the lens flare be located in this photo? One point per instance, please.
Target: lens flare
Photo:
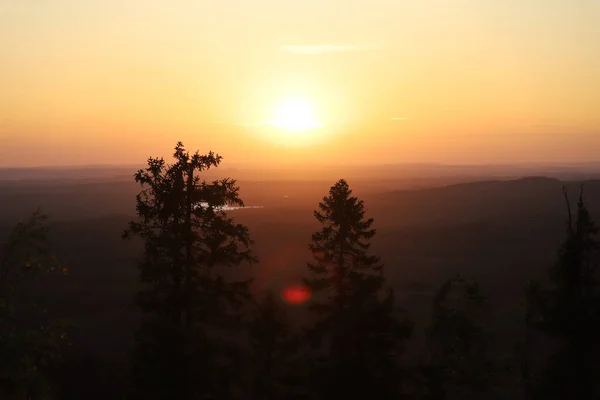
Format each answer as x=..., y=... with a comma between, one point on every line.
x=295, y=294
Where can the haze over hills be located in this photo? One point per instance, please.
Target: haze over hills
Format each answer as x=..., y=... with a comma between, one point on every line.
x=432, y=223
x=407, y=172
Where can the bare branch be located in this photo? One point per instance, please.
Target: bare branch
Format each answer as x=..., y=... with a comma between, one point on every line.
x=568, y=208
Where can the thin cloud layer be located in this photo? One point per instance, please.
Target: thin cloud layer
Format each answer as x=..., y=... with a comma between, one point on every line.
x=316, y=49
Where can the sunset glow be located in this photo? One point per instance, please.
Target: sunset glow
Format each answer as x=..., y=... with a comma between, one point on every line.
x=462, y=82
x=295, y=115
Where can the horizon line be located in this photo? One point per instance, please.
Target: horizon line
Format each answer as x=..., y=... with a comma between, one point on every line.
x=254, y=166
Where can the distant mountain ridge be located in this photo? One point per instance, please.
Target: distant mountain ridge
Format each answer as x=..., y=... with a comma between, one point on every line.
x=495, y=183
x=387, y=171
x=539, y=200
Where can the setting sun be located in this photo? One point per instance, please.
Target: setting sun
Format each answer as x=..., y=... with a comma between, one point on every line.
x=295, y=115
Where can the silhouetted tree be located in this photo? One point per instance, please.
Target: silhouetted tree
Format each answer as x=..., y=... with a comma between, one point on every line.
x=357, y=322
x=458, y=366
x=523, y=349
x=275, y=362
x=30, y=342
x=568, y=309
x=191, y=305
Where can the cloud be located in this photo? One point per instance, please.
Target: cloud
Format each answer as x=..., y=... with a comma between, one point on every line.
x=317, y=49
x=221, y=122
x=245, y=124
x=556, y=126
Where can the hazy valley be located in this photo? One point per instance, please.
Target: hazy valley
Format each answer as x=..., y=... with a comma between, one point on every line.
x=500, y=232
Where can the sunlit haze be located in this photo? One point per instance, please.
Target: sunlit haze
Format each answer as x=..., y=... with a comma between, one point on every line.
x=295, y=116
x=281, y=82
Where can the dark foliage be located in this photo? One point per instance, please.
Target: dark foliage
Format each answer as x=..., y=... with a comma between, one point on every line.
x=458, y=365
x=30, y=342
x=276, y=361
x=359, y=331
x=182, y=348
x=568, y=310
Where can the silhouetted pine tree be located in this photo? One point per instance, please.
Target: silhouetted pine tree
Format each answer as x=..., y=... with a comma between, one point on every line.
x=190, y=305
x=568, y=309
x=523, y=348
x=457, y=367
x=358, y=327
x=30, y=342
x=276, y=364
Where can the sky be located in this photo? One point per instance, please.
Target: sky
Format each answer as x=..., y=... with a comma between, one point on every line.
x=381, y=81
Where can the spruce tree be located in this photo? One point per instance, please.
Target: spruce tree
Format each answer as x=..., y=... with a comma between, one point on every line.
x=358, y=328
x=276, y=363
x=30, y=340
x=568, y=310
x=457, y=366
x=191, y=304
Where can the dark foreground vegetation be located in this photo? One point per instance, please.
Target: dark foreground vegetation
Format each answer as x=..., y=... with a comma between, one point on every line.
x=207, y=321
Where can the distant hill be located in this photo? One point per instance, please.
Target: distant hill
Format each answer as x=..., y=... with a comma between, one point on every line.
x=65, y=173
x=499, y=201
x=533, y=199
x=404, y=172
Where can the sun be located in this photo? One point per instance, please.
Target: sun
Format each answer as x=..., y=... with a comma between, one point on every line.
x=292, y=122
x=295, y=115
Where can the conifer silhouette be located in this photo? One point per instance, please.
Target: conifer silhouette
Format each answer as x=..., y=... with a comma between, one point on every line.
x=457, y=366
x=30, y=342
x=358, y=330
x=191, y=306
x=276, y=362
x=568, y=310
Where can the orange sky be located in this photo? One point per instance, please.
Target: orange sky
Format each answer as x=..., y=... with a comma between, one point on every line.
x=463, y=81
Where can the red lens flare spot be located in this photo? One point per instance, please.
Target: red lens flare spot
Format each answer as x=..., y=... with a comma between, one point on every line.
x=296, y=294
